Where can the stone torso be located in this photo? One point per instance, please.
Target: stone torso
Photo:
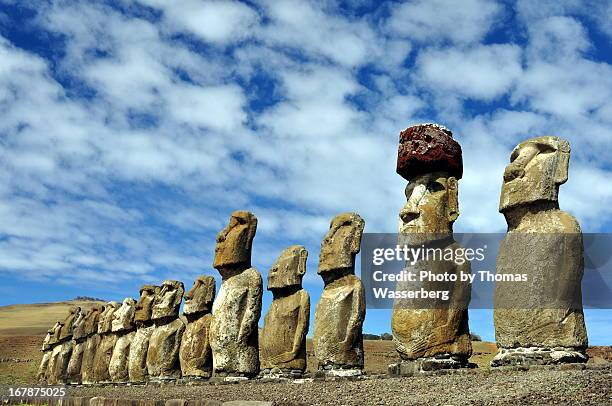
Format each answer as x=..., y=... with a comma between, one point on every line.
x=547, y=309
x=436, y=326
x=237, y=309
x=280, y=327
x=163, y=352
x=334, y=312
x=137, y=358
x=195, y=353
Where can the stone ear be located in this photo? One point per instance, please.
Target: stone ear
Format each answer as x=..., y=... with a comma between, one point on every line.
x=302, y=261
x=452, y=208
x=561, y=171
x=358, y=225
x=180, y=291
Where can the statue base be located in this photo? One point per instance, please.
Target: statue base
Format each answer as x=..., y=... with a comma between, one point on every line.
x=193, y=379
x=429, y=364
x=340, y=371
x=162, y=381
x=278, y=373
x=538, y=356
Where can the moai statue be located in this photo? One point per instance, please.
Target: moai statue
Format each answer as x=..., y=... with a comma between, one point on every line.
x=124, y=328
x=338, y=339
x=283, y=338
x=91, y=344
x=236, y=312
x=163, y=353
x=539, y=321
x=60, y=357
x=195, y=353
x=137, y=361
x=431, y=333
x=47, y=349
x=79, y=337
x=107, y=343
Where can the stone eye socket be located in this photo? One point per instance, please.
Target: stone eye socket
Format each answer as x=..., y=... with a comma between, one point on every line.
x=434, y=187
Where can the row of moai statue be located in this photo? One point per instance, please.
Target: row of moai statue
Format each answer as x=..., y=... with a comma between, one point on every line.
x=148, y=340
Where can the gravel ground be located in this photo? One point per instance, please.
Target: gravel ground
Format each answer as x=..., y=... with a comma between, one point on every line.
x=536, y=386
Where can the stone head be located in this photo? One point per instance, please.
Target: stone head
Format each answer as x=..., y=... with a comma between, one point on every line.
x=68, y=322
x=234, y=242
x=105, y=324
x=54, y=332
x=92, y=319
x=144, y=306
x=123, y=318
x=341, y=243
x=432, y=205
x=538, y=166
x=201, y=295
x=78, y=326
x=168, y=300
x=289, y=268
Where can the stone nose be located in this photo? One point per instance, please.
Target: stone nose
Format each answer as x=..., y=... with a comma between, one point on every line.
x=512, y=172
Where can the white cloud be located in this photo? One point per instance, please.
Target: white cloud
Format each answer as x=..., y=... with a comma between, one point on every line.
x=219, y=22
x=462, y=22
x=481, y=72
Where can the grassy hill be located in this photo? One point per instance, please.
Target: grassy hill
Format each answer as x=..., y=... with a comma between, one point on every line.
x=35, y=319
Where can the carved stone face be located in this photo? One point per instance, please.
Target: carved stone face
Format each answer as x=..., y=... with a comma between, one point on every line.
x=68, y=322
x=341, y=243
x=54, y=332
x=105, y=324
x=78, y=326
x=123, y=318
x=92, y=319
x=289, y=268
x=144, y=306
x=168, y=300
x=537, y=167
x=234, y=242
x=201, y=295
x=431, y=206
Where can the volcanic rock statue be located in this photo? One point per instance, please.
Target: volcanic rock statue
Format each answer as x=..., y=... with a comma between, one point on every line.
x=60, y=357
x=338, y=339
x=137, y=361
x=283, y=338
x=195, y=354
x=236, y=312
x=431, y=333
x=79, y=337
x=539, y=321
x=107, y=343
x=123, y=327
x=47, y=349
x=91, y=344
x=164, y=344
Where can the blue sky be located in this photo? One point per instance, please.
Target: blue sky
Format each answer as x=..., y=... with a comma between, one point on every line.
x=130, y=130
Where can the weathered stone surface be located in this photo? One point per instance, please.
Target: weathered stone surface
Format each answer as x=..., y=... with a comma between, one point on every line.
x=79, y=336
x=545, y=243
x=58, y=363
x=91, y=322
x=60, y=356
x=68, y=324
x=428, y=148
x=137, y=358
x=47, y=349
x=164, y=343
x=339, y=315
x=195, y=353
x=283, y=337
x=107, y=343
x=236, y=312
x=424, y=328
x=123, y=327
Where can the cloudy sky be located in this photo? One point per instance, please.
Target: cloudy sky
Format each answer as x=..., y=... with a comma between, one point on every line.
x=130, y=130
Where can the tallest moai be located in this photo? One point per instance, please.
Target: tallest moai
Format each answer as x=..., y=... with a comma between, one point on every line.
x=540, y=320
